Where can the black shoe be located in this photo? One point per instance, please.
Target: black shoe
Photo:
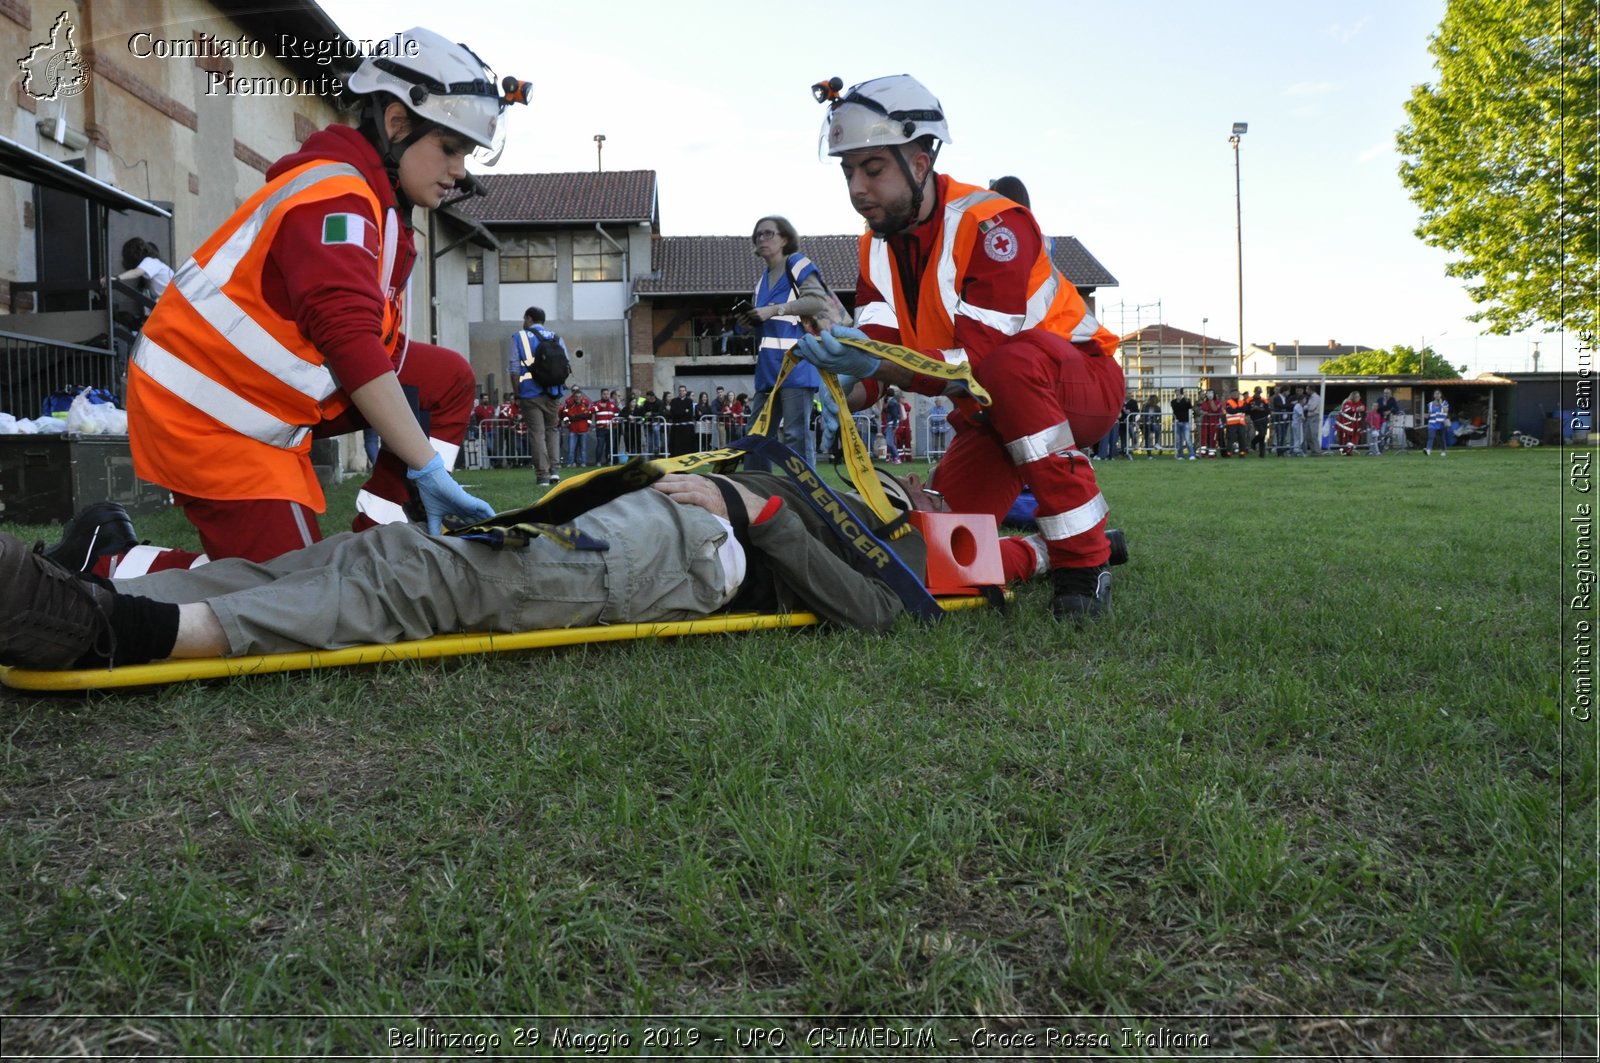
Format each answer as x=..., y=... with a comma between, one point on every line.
x=49, y=618
x=1081, y=593
x=1119, y=546
x=98, y=531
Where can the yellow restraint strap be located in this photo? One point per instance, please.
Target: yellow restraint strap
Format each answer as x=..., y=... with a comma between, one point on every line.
x=957, y=377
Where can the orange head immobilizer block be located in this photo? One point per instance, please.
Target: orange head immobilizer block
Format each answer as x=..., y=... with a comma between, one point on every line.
x=963, y=551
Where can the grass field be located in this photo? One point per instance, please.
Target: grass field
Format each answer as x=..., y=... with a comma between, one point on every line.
x=1310, y=792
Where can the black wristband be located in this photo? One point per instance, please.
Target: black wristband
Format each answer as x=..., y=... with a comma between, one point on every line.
x=738, y=515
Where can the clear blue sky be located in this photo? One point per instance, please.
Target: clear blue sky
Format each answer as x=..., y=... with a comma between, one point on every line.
x=1116, y=115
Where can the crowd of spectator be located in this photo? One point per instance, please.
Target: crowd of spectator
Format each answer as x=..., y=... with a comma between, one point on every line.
x=615, y=425
x=1284, y=422
x=618, y=423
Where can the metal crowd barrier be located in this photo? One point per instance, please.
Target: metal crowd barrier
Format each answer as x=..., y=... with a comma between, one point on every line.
x=32, y=368
x=505, y=442
x=705, y=433
x=644, y=437
x=936, y=436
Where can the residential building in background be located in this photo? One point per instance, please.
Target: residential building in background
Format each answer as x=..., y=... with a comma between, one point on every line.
x=1289, y=359
x=1164, y=357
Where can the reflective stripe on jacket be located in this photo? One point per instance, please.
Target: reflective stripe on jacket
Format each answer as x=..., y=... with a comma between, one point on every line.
x=223, y=391
x=782, y=331
x=1235, y=412
x=1053, y=303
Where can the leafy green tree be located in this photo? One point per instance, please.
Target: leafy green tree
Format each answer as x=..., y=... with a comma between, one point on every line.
x=1396, y=360
x=1500, y=156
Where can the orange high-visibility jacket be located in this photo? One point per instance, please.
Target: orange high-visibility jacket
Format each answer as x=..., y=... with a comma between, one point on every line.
x=223, y=391
x=1236, y=414
x=1053, y=303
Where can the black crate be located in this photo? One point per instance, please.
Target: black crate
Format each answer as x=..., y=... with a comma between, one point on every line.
x=45, y=479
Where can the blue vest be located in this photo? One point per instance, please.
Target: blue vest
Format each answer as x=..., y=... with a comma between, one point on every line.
x=781, y=332
x=1438, y=414
x=523, y=342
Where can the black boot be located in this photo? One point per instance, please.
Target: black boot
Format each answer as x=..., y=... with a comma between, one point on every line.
x=49, y=618
x=98, y=531
x=1119, y=546
x=1081, y=593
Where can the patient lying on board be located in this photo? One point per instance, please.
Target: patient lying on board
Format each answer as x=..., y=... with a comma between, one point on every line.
x=686, y=546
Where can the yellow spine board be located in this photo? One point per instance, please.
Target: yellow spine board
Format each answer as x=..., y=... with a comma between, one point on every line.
x=162, y=672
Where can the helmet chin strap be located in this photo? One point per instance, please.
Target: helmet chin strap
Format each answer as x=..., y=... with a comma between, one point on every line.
x=911, y=179
x=390, y=151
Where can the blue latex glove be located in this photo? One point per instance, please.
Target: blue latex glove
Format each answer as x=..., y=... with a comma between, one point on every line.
x=825, y=352
x=442, y=497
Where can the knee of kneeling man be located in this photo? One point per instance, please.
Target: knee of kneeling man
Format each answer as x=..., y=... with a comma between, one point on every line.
x=1020, y=361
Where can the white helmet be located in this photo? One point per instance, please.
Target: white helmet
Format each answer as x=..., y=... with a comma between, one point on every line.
x=443, y=83
x=879, y=113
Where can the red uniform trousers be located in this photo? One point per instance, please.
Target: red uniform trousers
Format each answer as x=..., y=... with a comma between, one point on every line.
x=261, y=529
x=1347, y=431
x=1048, y=394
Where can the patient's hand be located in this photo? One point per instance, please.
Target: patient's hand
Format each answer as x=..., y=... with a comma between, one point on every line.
x=692, y=490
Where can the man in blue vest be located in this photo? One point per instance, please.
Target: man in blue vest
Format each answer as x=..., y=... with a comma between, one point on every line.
x=541, y=403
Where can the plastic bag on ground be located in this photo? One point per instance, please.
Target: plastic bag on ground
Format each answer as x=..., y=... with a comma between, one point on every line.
x=96, y=418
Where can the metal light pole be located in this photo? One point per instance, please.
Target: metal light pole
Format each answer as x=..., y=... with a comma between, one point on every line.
x=1239, y=129
x=599, y=143
x=1205, y=366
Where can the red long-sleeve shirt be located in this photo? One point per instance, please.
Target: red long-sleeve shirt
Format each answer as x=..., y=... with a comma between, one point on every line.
x=328, y=289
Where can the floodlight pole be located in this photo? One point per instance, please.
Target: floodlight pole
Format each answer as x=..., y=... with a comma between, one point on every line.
x=1239, y=129
x=599, y=145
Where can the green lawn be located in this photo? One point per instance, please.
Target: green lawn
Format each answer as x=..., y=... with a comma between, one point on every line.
x=1311, y=791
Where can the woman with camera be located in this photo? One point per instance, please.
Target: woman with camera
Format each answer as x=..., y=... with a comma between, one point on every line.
x=789, y=288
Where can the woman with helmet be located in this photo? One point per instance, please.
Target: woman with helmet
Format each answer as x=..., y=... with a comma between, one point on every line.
x=962, y=274
x=290, y=322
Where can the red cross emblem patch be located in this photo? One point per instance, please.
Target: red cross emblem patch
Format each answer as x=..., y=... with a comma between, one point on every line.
x=1000, y=244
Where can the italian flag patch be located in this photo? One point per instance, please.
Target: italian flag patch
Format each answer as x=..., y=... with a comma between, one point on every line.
x=350, y=229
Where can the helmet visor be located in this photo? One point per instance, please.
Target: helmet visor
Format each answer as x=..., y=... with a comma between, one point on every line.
x=482, y=118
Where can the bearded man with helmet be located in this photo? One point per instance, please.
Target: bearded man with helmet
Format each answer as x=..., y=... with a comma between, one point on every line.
x=290, y=321
x=962, y=274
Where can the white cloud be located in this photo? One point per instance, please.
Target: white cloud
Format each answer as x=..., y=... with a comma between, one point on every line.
x=1378, y=150
x=1344, y=34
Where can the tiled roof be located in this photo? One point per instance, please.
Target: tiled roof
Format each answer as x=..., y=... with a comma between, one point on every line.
x=1078, y=265
x=723, y=265
x=557, y=198
x=1167, y=336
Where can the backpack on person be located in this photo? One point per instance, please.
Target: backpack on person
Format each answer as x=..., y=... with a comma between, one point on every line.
x=546, y=362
